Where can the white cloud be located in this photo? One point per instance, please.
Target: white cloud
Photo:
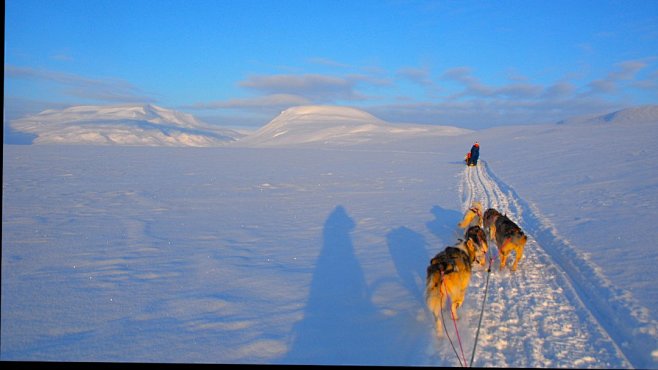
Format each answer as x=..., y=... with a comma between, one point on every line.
x=315, y=87
x=650, y=83
x=420, y=76
x=560, y=90
x=276, y=101
x=465, y=100
x=328, y=62
x=480, y=113
x=106, y=90
x=62, y=57
x=472, y=87
x=626, y=71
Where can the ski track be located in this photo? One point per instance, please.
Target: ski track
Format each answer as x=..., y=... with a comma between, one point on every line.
x=533, y=317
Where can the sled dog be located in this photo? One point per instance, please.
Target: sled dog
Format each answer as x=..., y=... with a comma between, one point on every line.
x=448, y=275
x=478, y=237
x=472, y=217
x=508, y=236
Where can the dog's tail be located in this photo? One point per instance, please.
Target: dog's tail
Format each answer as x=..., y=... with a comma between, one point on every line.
x=523, y=239
x=433, y=298
x=519, y=239
x=433, y=286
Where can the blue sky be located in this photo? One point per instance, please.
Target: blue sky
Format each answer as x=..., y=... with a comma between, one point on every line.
x=472, y=64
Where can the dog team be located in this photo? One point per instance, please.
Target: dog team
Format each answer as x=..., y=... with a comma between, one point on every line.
x=449, y=272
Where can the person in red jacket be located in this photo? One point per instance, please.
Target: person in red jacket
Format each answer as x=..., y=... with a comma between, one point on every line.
x=475, y=154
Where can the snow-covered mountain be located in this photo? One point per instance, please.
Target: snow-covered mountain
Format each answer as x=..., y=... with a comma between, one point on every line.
x=323, y=124
x=150, y=125
x=142, y=125
x=640, y=114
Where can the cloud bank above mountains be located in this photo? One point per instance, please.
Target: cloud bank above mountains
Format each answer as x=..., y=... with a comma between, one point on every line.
x=239, y=63
x=456, y=96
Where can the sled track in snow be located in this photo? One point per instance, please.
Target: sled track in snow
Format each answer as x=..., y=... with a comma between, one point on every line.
x=556, y=310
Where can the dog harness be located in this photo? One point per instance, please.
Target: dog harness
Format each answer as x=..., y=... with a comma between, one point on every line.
x=476, y=211
x=446, y=261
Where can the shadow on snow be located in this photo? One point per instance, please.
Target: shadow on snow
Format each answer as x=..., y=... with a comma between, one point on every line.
x=445, y=227
x=409, y=253
x=341, y=324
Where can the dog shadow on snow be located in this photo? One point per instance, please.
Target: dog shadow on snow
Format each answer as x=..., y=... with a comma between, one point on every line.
x=341, y=324
x=445, y=227
x=408, y=250
x=411, y=252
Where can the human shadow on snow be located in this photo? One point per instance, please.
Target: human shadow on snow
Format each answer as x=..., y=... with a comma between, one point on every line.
x=336, y=326
x=341, y=324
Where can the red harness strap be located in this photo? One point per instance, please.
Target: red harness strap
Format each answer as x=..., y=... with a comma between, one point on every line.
x=475, y=210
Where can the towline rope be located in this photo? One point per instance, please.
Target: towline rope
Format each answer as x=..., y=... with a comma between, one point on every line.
x=459, y=340
x=484, y=300
x=462, y=364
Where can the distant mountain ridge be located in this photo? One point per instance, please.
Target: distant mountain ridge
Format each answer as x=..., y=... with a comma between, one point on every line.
x=642, y=114
x=639, y=114
x=145, y=125
x=151, y=125
x=324, y=124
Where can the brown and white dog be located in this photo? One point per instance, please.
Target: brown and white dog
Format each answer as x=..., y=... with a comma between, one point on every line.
x=478, y=237
x=472, y=217
x=508, y=236
x=448, y=275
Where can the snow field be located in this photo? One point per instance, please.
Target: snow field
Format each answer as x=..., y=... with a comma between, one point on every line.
x=317, y=254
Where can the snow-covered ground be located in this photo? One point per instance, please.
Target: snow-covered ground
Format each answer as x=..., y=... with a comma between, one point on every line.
x=316, y=254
